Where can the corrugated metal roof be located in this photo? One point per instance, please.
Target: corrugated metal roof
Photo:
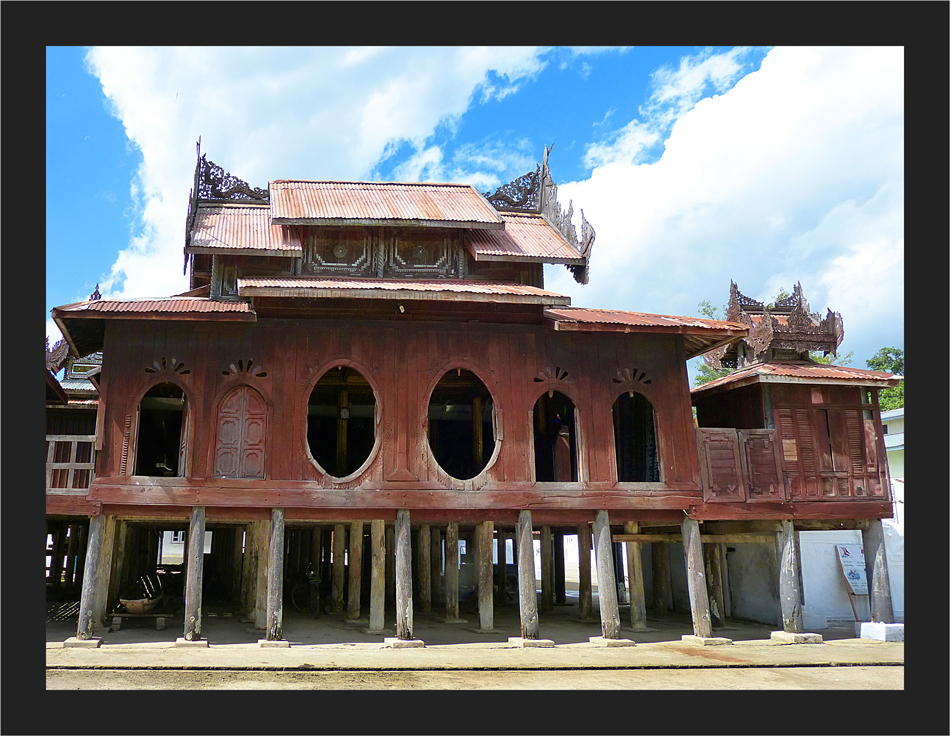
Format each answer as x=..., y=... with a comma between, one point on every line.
x=242, y=227
x=525, y=237
x=640, y=319
x=802, y=373
x=143, y=306
x=397, y=289
x=346, y=203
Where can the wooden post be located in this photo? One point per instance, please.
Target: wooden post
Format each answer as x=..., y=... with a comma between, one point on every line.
x=403, y=576
x=341, y=433
x=424, y=568
x=435, y=562
x=101, y=599
x=355, y=570
x=56, y=564
x=726, y=593
x=249, y=569
x=716, y=583
x=527, y=591
x=606, y=586
x=339, y=571
x=377, y=595
x=547, y=570
x=484, y=533
x=662, y=583
x=72, y=547
x=875, y=561
x=584, y=593
x=789, y=579
x=452, y=570
x=638, y=607
x=194, y=574
x=275, y=576
x=391, y=563
x=90, y=574
x=502, y=566
x=560, y=587
x=260, y=590
x=81, y=552
x=696, y=578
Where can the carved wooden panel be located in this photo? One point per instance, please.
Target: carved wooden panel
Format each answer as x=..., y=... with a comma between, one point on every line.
x=721, y=465
x=240, y=435
x=762, y=463
x=340, y=251
x=423, y=255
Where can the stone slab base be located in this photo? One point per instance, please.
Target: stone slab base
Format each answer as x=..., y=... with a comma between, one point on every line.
x=181, y=642
x=394, y=643
x=882, y=632
x=706, y=641
x=519, y=641
x=75, y=641
x=454, y=620
x=603, y=641
x=274, y=643
x=787, y=637
x=379, y=632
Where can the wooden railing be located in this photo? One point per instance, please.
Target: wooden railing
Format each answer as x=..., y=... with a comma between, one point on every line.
x=70, y=463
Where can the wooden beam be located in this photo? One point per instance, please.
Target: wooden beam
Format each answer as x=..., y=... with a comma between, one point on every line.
x=704, y=538
x=584, y=592
x=547, y=570
x=452, y=571
x=403, y=576
x=696, y=579
x=527, y=592
x=790, y=588
x=194, y=574
x=355, y=571
x=638, y=611
x=377, y=595
x=424, y=567
x=84, y=629
x=606, y=578
x=275, y=576
x=486, y=615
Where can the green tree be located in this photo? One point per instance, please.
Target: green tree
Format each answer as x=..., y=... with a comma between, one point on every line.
x=889, y=360
x=706, y=373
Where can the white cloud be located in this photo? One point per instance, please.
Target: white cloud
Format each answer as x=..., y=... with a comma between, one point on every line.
x=793, y=174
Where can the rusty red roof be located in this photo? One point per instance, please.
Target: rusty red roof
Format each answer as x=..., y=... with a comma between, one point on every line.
x=172, y=304
x=586, y=317
x=527, y=237
x=237, y=228
x=444, y=289
x=801, y=373
x=380, y=203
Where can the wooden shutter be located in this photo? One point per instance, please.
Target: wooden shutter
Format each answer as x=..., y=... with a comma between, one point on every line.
x=762, y=462
x=720, y=465
x=240, y=435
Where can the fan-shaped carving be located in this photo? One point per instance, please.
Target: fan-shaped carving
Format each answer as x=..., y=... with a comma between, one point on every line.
x=243, y=366
x=165, y=364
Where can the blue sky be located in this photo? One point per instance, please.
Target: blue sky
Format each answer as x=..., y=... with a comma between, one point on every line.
x=695, y=166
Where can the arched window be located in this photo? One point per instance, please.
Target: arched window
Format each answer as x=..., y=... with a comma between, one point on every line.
x=635, y=439
x=162, y=432
x=341, y=421
x=241, y=430
x=461, y=431
x=555, y=438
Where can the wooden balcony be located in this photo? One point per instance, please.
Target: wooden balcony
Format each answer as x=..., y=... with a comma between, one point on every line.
x=70, y=463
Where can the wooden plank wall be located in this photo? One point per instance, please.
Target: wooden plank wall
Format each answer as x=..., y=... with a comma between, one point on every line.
x=403, y=362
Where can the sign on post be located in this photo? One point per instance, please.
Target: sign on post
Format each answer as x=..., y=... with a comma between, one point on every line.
x=851, y=557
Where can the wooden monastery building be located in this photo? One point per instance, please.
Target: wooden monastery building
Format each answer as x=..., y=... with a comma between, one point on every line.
x=362, y=375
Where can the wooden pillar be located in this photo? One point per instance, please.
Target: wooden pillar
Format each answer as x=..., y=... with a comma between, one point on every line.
x=377, y=595
x=81, y=552
x=237, y=563
x=662, y=582
x=484, y=534
x=72, y=550
x=696, y=578
x=503, y=566
x=275, y=576
x=56, y=564
x=726, y=593
x=547, y=570
x=90, y=574
x=714, y=571
x=560, y=586
x=875, y=562
x=260, y=590
x=424, y=568
x=584, y=593
x=638, y=607
x=435, y=562
x=249, y=569
x=789, y=579
x=452, y=570
x=105, y=574
x=606, y=588
x=194, y=574
x=339, y=571
x=403, y=543
x=355, y=570
x=527, y=592
x=391, y=563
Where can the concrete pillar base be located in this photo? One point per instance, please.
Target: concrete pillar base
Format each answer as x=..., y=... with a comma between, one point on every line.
x=881, y=632
x=391, y=642
x=182, y=642
x=706, y=641
x=273, y=643
x=519, y=641
x=603, y=641
x=75, y=641
x=787, y=637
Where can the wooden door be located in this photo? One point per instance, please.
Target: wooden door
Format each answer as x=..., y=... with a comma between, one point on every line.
x=721, y=465
x=240, y=435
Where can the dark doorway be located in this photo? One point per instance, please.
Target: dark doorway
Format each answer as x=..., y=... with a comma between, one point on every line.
x=635, y=439
x=461, y=427
x=555, y=439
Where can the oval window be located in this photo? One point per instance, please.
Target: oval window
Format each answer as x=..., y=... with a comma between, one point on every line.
x=341, y=421
x=461, y=427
